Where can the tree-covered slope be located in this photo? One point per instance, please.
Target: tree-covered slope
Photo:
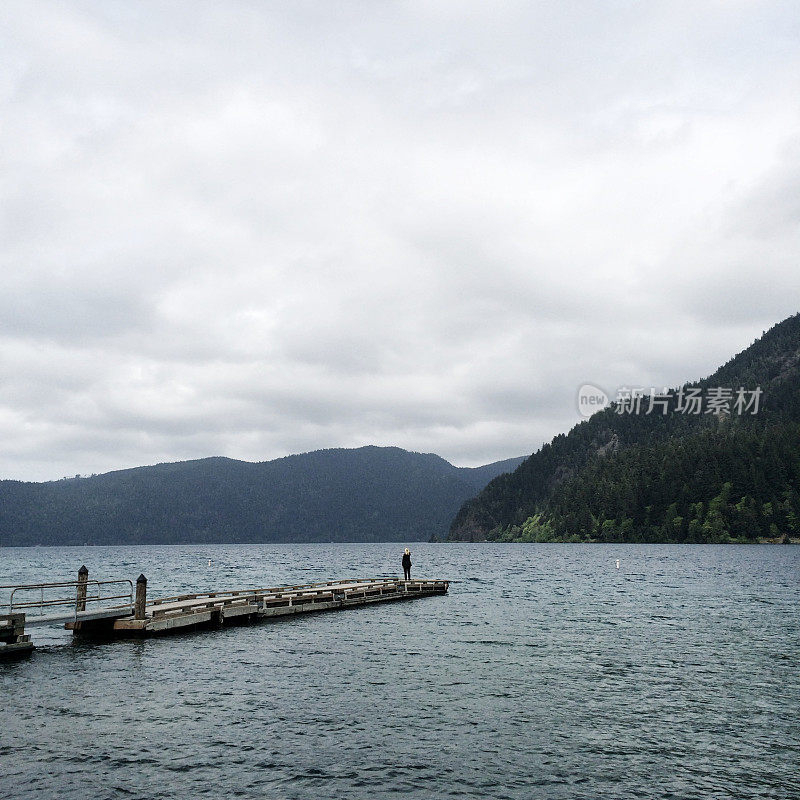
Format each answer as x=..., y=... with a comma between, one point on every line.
x=672, y=476
x=364, y=494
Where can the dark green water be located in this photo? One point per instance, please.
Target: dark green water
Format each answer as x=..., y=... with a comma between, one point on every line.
x=545, y=673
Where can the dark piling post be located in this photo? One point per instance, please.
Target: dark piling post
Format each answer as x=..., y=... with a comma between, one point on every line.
x=83, y=579
x=141, y=597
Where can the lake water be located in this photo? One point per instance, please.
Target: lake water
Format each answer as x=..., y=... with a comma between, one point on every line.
x=545, y=673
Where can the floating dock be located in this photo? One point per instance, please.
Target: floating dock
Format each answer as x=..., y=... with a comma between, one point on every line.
x=166, y=615
x=214, y=609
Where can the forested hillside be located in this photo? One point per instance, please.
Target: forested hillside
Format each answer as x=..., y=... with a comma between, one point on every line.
x=668, y=475
x=364, y=494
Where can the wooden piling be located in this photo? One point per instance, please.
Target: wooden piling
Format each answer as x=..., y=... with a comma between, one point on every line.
x=141, y=597
x=80, y=597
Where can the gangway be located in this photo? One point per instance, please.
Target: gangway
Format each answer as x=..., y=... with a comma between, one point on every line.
x=72, y=605
x=65, y=602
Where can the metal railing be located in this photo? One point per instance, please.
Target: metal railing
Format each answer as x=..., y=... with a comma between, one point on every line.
x=83, y=593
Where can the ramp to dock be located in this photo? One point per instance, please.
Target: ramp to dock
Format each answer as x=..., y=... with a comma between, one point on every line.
x=77, y=603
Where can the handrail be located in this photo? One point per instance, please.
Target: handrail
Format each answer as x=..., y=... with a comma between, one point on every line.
x=92, y=588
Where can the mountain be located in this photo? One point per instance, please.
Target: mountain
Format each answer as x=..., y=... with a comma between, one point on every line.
x=669, y=475
x=342, y=495
x=480, y=476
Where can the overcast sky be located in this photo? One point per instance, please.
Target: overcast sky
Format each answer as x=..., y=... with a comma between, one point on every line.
x=260, y=228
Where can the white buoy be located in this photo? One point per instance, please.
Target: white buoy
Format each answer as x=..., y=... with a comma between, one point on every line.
x=617, y=563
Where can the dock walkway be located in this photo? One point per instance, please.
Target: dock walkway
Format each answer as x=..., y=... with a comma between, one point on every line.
x=165, y=615
x=170, y=614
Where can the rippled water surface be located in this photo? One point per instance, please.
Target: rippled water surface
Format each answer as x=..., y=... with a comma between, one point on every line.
x=545, y=673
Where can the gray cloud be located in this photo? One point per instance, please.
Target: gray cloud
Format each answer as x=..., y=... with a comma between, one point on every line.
x=252, y=230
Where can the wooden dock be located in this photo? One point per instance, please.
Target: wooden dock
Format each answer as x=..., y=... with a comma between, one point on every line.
x=206, y=610
x=214, y=609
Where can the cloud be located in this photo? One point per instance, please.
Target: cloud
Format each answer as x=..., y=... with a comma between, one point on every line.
x=254, y=230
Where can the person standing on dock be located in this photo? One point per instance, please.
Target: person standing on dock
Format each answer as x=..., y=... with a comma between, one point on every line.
x=407, y=564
